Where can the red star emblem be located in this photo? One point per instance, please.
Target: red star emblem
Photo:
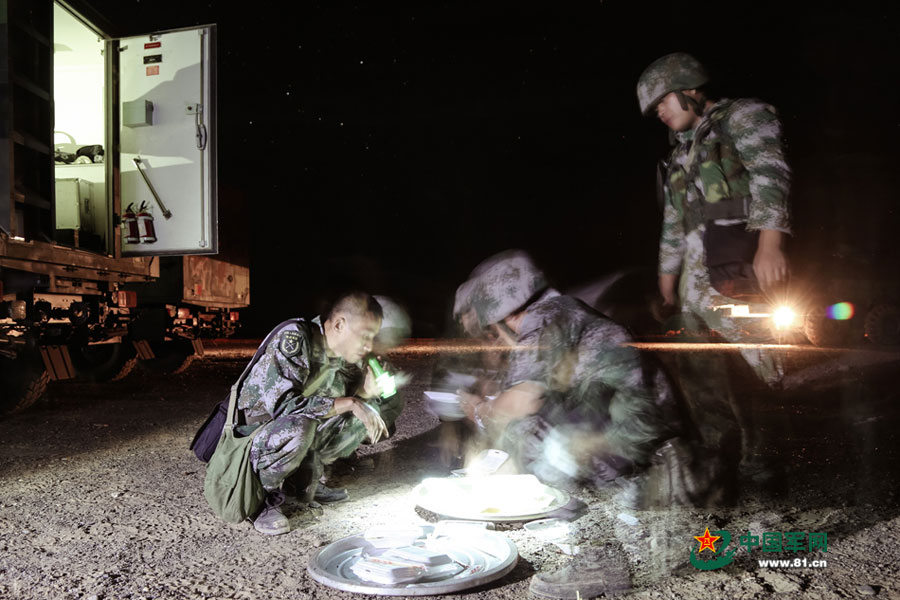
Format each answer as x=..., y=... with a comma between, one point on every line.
x=706, y=541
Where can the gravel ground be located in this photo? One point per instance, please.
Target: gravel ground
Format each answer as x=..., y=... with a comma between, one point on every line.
x=100, y=498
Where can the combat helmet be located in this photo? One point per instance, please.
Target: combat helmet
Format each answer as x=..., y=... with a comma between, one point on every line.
x=500, y=286
x=671, y=73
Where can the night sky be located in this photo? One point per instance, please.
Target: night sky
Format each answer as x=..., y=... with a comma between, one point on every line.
x=391, y=146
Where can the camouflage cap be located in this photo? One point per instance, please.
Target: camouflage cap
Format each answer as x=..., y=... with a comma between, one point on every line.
x=673, y=72
x=500, y=286
x=462, y=302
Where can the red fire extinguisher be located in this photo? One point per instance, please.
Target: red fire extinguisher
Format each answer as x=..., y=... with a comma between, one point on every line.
x=131, y=225
x=145, y=224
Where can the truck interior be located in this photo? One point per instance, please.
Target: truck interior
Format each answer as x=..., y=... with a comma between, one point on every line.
x=144, y=111
x=82, y=216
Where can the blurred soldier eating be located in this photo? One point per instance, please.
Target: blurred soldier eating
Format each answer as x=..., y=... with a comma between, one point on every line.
x=578, y=404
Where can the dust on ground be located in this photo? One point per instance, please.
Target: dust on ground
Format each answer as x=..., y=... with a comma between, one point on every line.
x=101, y=499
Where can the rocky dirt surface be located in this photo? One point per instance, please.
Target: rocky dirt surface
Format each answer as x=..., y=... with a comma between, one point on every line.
x=100, y=498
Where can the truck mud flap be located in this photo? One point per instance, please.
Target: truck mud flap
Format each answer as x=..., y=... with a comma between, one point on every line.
x=144, y=351
x=57, y=362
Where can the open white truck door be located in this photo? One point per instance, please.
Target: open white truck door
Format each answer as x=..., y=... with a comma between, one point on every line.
x=167, y=143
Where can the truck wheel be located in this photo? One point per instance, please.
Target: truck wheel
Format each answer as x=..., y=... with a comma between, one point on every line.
x=822, y=331
x=171, y=357
x=102, y=362
x=882, y=325
x=22, y=383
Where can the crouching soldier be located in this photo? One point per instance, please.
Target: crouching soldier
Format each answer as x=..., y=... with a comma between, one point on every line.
x=313, y=400
x=579, y=404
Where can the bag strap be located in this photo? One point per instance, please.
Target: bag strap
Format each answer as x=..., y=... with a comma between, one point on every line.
x=232, y=403
x=230, y=417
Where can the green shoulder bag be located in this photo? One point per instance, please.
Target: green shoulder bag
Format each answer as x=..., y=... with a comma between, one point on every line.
x=231, y=487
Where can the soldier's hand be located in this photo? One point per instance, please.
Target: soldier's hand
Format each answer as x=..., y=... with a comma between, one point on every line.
x=770, y=263
x=371, y=420
x=661, y=310
x=468, y=403
x=371, y=387
x=667, y=288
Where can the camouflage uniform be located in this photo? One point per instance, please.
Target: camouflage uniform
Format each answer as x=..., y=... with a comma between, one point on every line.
x=752, y=130
x=728, y=171
x=297, y=428
x=605, y=410
x=339, y=436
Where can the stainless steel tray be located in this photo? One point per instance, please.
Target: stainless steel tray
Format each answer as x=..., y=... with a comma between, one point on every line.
x=433, y=496
x=483, y=556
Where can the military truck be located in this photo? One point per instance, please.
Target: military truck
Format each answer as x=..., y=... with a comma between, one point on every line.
x=110, y=214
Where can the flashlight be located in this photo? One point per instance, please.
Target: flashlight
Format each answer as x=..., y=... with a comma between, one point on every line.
x=383, y=378
x=783, y=317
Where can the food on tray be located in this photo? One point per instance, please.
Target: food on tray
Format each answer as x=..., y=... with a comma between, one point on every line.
x=382, y=536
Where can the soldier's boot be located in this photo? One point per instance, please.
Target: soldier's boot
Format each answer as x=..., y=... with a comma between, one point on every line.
x=594, y=572
x=271, y=521
x=327, y=495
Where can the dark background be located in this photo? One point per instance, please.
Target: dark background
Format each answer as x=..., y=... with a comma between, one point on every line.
x=391, y=146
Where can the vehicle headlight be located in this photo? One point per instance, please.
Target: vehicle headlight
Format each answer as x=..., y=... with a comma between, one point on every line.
x=783, y=317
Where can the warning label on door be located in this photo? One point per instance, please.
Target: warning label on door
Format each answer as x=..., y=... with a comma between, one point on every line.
x=154, y=70
x=150, y=45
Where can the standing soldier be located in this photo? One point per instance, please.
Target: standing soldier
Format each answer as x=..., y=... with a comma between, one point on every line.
x=726, y=216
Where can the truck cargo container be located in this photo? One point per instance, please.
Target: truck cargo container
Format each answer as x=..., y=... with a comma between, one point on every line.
x=112, y=230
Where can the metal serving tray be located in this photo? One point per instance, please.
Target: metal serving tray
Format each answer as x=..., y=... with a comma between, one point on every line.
x=481, y=555
x=439, y=496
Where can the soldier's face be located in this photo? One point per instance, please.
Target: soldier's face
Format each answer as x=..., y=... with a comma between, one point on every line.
x=355, y=335
x=470, y=324
x=500, y=334
x=673, y=116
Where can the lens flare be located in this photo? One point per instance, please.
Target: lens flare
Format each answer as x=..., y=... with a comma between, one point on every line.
x=841, y=311
x=783, y=317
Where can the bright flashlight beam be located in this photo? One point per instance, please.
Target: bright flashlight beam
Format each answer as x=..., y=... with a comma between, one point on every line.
x=383, y=378
x=388, y=384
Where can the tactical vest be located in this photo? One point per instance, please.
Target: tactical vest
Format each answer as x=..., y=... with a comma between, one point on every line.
x=715, y=160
